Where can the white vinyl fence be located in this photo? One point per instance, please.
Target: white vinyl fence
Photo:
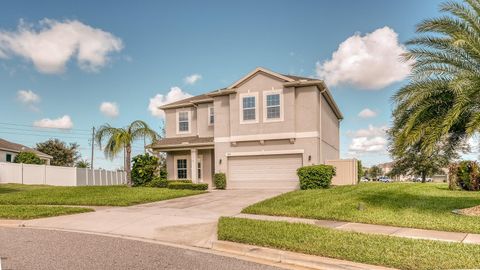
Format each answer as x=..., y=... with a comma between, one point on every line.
x=58, y=176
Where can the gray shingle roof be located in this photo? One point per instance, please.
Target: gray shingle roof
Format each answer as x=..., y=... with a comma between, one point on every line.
x=181, y=141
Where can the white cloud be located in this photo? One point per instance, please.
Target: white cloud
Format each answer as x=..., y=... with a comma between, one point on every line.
x=109, y=109
x=53, y=43
x=173, y=95
x=367, y=113
x=27, y=97
x=371, y=61
x=370, y=140
x=192, y=79
x=64, y=122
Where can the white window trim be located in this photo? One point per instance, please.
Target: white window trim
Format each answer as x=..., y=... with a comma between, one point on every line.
x=189, y=112
x=282, y=108
x=208, y=115
x=175, y=168
x=255, y=94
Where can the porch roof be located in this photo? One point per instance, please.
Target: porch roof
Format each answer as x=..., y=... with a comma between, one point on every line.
x=181, y=142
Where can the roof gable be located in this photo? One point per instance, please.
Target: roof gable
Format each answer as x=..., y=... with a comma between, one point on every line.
x=260, y=70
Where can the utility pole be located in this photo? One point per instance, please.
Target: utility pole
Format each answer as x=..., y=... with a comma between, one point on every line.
x=93, y=146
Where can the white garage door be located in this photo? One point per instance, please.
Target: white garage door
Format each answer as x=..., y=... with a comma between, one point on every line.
x=263, y=172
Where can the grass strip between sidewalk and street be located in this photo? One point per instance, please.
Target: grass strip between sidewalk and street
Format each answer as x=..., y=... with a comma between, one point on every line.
x=38, y=211
x=413, y=205
x=15, y=194
x=382, y=250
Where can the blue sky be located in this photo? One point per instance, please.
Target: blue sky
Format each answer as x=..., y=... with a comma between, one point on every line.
x=152, y=46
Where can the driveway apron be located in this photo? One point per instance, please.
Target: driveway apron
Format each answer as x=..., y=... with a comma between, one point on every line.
x=187, y=221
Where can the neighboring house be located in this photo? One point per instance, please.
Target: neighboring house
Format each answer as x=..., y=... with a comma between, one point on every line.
x=8, y=151
x=258, y=131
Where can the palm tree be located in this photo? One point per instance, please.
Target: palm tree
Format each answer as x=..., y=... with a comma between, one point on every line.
x=83, y=163
x=441, y=103
x=121, y=139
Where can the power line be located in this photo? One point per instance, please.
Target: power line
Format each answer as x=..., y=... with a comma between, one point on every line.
x=44, y=131
x=24, y=125
x=42, y=135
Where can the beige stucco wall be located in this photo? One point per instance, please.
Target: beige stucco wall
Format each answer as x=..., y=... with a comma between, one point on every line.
x=258, y=85
x=346, y=171
x=198, y=123
x=330, y=132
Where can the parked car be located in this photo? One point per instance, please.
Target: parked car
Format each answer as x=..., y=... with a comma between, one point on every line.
x=364, y=179
x=385, y=179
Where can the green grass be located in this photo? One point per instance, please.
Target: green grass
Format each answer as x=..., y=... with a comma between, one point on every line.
x=35, y=211
x=383, y=250
x=415, y=205
x=15, y=194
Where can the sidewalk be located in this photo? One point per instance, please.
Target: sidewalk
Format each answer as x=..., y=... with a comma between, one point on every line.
x=467, y=238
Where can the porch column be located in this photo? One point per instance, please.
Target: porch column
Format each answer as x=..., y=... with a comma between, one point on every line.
x=193, y=161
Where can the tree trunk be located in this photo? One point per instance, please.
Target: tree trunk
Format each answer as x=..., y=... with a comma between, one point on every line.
x=128, y=165
x=424, y=178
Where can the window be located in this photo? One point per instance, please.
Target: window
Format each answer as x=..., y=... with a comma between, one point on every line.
x=249, y=105
x=211, y=116
x=183, y=122
x=181, y=168
x=273, y=106
x=8, y=157
x=199, y=169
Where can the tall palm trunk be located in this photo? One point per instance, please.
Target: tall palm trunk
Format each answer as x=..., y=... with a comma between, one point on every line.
x=128, y=164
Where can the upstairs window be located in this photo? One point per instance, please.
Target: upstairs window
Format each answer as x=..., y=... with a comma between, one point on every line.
x=273, y=106
x=183, y=122
x=211, y=116
x=249, y=108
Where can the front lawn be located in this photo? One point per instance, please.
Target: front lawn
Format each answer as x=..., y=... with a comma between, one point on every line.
x=383, y=250
x=35, y=211
x=91, y=195
x=416, y=205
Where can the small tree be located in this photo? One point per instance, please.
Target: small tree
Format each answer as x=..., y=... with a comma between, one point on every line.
x=375, y=171
x=83, y=163
x=27, y=158
x=145, y=168
x=63, y=154
x=359, y=170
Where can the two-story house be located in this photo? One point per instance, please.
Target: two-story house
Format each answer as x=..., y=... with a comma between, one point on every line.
x=257, y=131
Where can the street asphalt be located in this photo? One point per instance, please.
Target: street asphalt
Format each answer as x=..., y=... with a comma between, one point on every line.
x=22, y=248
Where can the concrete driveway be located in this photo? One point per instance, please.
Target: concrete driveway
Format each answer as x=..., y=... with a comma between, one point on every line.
x=188, y=220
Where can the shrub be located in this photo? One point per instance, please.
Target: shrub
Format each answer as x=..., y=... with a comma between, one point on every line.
x=144, y=168
x=158, y=182
x=468, y=175
x=316, y=176
x=220, y=181
x=181, y=181
x=27, y=158
x=191, y=186
x=163, y=173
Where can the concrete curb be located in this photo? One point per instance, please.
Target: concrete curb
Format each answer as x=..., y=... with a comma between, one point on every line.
x=291, y=258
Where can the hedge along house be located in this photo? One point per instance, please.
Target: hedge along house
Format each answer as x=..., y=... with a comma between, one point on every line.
x=9, y=150
x=257, y=131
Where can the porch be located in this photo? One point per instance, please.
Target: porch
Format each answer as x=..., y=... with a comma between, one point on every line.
x=188, y=158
